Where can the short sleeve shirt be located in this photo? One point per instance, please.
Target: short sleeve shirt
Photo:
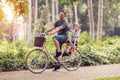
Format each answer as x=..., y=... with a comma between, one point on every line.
x=62, y=23
x=74, y=34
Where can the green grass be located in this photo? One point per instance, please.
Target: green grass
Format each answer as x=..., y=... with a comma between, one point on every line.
x=113, y=78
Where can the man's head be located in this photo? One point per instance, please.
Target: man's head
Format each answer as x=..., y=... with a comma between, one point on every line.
x=62, y=15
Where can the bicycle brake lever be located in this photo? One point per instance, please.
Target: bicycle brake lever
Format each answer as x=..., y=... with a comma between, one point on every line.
x=42, y=35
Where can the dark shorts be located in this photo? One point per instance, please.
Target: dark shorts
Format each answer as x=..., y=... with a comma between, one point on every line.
x=61, y=39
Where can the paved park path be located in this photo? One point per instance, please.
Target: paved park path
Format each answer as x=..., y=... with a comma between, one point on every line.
x=83, y=73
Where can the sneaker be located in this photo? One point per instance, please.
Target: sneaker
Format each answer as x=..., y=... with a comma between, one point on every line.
x=66, y=54
x=56, y=66
x=57, y=54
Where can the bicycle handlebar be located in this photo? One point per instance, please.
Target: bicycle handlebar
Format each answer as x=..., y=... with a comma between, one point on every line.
x=43, y=35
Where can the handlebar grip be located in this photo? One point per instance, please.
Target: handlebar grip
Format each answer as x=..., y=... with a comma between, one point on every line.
x=43, y=35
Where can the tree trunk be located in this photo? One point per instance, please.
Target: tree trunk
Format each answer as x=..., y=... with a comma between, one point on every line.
x=47, y=4
x=71, y=14
x=100, y=20
x=76, y=15
x=36, y=10
x=53, y=10
x=91, y=18
x=29, y=25
x=57, y=8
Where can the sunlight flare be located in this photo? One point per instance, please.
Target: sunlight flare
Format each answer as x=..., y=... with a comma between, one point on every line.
x=7, y=10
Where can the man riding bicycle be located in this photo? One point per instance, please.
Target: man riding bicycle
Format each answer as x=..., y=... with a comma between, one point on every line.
x=60, y=27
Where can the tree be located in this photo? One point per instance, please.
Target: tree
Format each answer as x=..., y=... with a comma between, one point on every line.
x=76, y=13
x=47, y=5
x=100, y=19
x=73, y=5
x=91, y=18
x=20, y=7
x=71, y=13
x=41, y=22
x=36, y=10
x=53, y=10
x=29, y=25
x=111, y=14
x=57, y=8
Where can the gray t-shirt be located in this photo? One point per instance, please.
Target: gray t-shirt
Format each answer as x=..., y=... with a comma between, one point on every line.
x=62, y=23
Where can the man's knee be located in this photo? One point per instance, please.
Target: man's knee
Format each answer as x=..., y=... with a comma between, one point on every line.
x=54, y=39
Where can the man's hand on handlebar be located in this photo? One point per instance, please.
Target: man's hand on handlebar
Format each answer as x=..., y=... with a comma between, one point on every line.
x=45, y=33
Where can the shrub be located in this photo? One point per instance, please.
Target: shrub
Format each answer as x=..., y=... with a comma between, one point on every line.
x=12, y=56
x=107, y=51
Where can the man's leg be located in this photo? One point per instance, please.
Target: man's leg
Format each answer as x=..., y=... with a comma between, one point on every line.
x=58, y=50
x=58, y=53
x=58, y=41
x=57, y=45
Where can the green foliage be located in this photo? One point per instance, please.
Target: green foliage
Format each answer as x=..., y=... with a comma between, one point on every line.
x=8, y=61
x=64, y=1
x=69, y=1
x=103, y=52
x=20, y=7
x=12, y=55
x=112, y=78
x=41, y=23
x=107, y=51
x=50, y=44
x=86, y=39
x=89, y=57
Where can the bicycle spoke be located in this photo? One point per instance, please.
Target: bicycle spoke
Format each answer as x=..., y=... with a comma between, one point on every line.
x=37, y=61
x=73, y=61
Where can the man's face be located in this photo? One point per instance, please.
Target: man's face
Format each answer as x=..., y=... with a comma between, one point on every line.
x=62, y=15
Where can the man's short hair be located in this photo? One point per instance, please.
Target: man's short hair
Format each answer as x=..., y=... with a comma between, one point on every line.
x=63, y=12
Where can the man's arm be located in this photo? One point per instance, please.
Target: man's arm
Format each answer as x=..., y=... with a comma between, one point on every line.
x=56, y=30
x=49, y=29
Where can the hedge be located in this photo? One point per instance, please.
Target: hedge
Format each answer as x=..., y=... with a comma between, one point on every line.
x=106, y=51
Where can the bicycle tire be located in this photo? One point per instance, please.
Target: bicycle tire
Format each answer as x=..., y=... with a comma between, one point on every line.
x=37, y=61
x=74, y=64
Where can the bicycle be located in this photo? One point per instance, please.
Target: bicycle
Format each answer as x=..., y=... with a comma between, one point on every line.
x=38, y=59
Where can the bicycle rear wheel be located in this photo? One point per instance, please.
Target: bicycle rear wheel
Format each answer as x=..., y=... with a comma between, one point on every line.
x=73, y=61
x=37, y=61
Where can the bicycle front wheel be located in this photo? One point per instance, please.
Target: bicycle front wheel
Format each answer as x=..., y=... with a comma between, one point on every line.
x=72, y=61
x=37, y=61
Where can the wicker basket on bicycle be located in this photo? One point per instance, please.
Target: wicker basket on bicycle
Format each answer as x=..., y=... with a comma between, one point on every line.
x=39, y=41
